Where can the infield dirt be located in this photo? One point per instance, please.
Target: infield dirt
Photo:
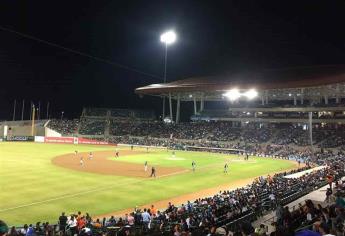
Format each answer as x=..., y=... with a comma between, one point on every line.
x=101, y=164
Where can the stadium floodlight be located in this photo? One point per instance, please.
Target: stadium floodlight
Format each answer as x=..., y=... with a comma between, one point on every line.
x=251, y=94
x=168, y=37
x=232, y=94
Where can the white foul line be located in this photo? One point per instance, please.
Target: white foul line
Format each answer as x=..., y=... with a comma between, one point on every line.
x=85, y=192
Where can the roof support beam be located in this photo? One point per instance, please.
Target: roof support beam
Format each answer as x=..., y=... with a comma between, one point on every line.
x=326, y=99
x=178, y=109
x=337, y=94
x=202, y=101
x=163, y=110
x=294, y=100
x=170, y=107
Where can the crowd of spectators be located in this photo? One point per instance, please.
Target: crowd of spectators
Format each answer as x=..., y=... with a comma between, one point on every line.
x=92, y=127
x=95, y=112
x=312, y=219
x=66, y=127
x=329, y=137
x=222, y=132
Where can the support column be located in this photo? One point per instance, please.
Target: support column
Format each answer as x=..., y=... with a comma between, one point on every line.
x=326, y=99
x=194, y=100
x=178, y=109
x=262, y=100
x=337, y=95
x=163, y=109
x=302, y=96
x=310, y=126
x=170, y=107
x=202, y=101
x=294, y=100
x=266, y=98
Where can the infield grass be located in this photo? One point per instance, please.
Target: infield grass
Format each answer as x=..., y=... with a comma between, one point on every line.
x=33, y=189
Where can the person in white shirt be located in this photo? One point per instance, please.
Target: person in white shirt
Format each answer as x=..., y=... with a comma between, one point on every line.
x=72, y=223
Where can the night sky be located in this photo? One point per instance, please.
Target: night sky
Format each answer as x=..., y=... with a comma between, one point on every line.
x=214, y=37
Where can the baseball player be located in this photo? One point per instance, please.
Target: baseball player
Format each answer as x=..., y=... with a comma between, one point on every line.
x=193, y=166
x=226, y=166
x=153, y=172
x=145, y=166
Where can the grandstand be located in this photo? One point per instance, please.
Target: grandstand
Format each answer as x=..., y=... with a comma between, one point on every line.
x=301, y=119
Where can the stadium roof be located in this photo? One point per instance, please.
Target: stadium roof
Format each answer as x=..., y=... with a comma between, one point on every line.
x=279, y=79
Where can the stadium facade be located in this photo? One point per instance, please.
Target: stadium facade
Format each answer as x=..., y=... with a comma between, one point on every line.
x=285, y=95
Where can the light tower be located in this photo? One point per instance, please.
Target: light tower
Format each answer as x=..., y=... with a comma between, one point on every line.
x=167, y=38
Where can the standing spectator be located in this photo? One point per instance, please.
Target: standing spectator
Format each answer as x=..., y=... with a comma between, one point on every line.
x=72, y=224
x=62, y=222
x=146, y=219
x=81, y=223
x=153, y=210
x=130, y=219
x=279, y=214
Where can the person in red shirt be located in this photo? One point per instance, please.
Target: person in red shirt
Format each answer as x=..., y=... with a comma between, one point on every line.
x=81, y=222
x=330, y=179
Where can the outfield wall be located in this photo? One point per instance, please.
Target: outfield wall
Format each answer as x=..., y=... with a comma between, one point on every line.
x=69, y=140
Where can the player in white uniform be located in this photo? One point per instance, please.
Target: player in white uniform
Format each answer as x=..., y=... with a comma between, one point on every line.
x=90, y=156
x=81, y=161
x=145, y=166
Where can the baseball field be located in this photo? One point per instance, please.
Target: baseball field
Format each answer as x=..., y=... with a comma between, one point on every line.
x=39, y=181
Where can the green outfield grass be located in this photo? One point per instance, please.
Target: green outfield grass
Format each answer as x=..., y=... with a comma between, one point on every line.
x=33, y=189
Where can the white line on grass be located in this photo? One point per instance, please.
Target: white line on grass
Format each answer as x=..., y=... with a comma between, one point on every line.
x=86, y=192
x=97, y=190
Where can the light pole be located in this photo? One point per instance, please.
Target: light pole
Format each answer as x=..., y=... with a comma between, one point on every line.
x=167, y=38
x=62, y=114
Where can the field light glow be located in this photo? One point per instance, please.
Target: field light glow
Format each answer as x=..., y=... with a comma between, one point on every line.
x=235, y=94
x=250, y=94
x=168, y=37
x=232, y=94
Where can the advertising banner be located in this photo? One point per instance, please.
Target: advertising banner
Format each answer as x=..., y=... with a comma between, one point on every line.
x=72, y=140
x=39, y=139
x=91, y=141
x=20, y=138
x=69, y=140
